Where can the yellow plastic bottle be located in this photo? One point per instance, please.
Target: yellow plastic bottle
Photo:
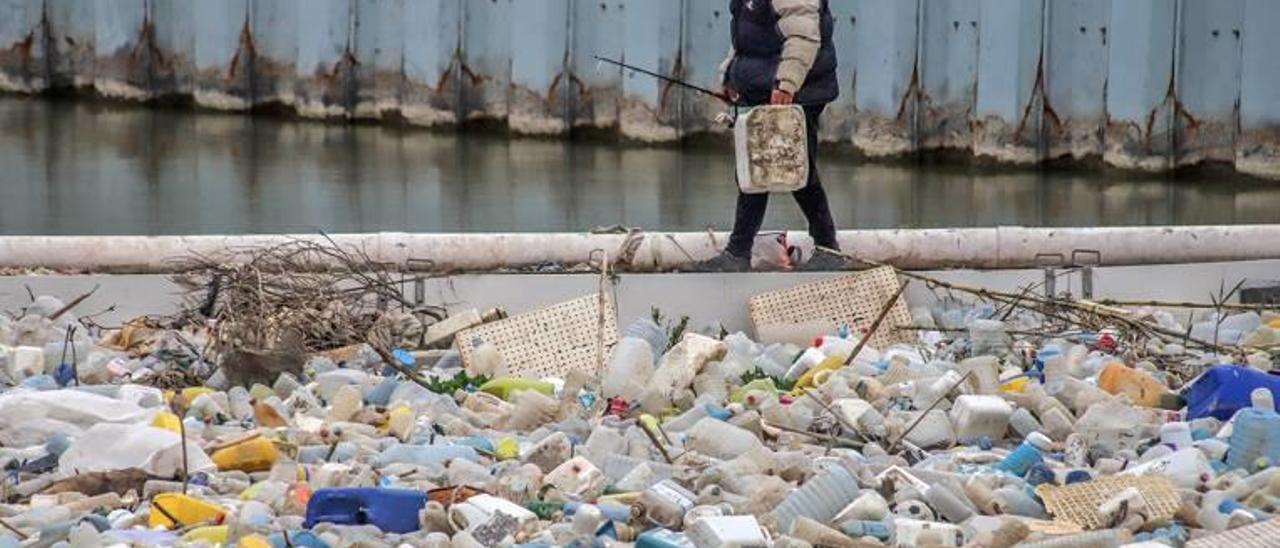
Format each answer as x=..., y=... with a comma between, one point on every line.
x=167, y=421
x=185, y=509
x=505, y=387
x=212, y=534
x=253, y=455
x=190, y=394
x=1141, y=388
x=810, y=377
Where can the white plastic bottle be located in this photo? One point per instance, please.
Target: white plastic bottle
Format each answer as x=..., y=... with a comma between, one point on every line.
x=629, y=369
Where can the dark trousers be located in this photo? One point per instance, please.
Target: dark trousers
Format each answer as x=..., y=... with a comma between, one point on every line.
x=812, y=200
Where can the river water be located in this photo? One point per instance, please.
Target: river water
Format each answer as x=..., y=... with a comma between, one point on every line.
x=85, y=168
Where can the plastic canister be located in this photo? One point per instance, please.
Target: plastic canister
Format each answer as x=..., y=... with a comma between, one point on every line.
x=975, y=416
x=948, y=504
x=481, y=509
x=1141, y=388
x=1255, y=440
x=1027, y=454
x=807, y=360
x=728, y=532
x=1222, y=390
x=257, y=454
x=391, y=510
x=985, y=373
x=912, y=532
x=665, y=503
x=167, y=507
x=820, y=498
x=1187, y=468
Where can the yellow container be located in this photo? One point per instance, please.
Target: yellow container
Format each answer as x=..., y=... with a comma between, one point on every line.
x=187, y=510
x=1141, y=388
x=213, y=534
x=1274, y=324
x=190, y=394
x=167, y=421
x=253, y=541
x=810, y=378
x=507, y=449
x=255, y=455
x=505, y=387
x=1015, y=385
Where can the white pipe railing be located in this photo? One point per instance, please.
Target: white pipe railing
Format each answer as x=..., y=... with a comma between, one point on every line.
x=976, y=248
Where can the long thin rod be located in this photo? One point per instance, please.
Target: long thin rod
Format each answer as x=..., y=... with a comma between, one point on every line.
x=665, y=78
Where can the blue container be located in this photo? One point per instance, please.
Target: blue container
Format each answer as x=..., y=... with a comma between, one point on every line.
x=297, y=539
x=663, y=538
x=1020, y=460
x=1255, y=441
x=1224, y=389
x=391, y=510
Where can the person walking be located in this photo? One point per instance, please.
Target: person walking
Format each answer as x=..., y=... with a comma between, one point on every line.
x=783, y=53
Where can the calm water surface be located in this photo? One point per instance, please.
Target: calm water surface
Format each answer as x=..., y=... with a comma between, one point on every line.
x=81, y=168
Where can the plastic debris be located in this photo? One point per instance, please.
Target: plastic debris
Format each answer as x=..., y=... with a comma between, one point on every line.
x=959, y=424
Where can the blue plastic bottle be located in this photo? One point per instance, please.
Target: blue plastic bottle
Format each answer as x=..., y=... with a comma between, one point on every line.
x=391, y=510
x=1028, y=454
x=858, y=528
x=1255, y=440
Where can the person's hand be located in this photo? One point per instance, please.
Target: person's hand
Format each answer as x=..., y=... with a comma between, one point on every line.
x=781, y=97
x=729, y=93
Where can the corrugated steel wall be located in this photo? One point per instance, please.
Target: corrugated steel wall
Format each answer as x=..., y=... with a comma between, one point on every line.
x=1146, y=84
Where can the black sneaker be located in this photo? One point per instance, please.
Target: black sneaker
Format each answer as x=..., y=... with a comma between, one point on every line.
x=724, y=262
x=824, y=261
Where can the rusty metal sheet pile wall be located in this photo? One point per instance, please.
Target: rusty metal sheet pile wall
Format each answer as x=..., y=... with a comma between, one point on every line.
x=1143, y=84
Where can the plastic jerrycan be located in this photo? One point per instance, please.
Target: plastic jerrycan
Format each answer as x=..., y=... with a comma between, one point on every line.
x=391, y=510
x=186, y=510
x=252, y=455
x=1141, y=388
x=1224, y=389
x=1255, y=440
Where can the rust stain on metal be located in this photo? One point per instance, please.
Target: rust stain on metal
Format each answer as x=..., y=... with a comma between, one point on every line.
x=913, y=89
x=245, y=53
x=677, y=72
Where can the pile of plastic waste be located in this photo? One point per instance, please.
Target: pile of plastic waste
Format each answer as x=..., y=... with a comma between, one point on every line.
x=970, y=437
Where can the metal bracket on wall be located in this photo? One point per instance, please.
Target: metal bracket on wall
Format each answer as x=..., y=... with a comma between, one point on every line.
x=1050, y=263
x=1086, y=260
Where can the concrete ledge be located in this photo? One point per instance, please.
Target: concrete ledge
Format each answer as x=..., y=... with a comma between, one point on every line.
x=978, y=248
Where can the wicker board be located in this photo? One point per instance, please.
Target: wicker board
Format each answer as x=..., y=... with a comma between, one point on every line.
x=548, y=342
x=854, y=299
x=1265, y=534
x=1078, y=502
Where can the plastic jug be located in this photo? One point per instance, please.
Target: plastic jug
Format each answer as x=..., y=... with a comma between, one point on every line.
x=171, y=510
x=663, y=538
x=481, y=509
x=727, y=531
x=1223, y=390
x=577, y=477
x=719, y=439
x=629, y=369
x=836, y=347
x=391, y=510
x=253, y=455
x=425, y=454
x=1027, y=454
x=984, y=373
x=857, y=528
x=1141, y=388
x=988, y=337
x=665, y=503
x=980, y=416
x=1255, y=440
x=820, y=498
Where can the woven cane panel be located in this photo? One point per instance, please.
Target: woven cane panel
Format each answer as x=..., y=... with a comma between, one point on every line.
x=855, y=300
x=1078, y=503
x=548, y=342
x=1265, y=534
